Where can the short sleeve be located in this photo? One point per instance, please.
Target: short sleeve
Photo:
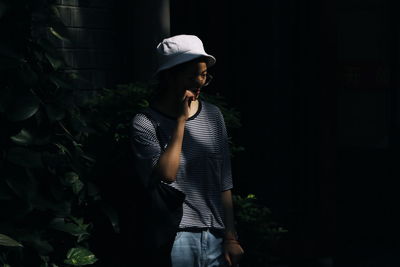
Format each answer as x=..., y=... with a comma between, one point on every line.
x=226, y=175
x=146, y=148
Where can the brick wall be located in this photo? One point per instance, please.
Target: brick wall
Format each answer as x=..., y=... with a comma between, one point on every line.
x=112, y=42
x=92, y=52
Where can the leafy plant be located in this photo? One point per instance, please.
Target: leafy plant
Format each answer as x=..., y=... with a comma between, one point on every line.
x=256, y=229
x=80, y=256
x=112, y=111
x=57, y=156
x=231, y=117
x=45, y=187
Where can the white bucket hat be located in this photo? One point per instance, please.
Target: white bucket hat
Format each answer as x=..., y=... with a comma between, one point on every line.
x=180, y=49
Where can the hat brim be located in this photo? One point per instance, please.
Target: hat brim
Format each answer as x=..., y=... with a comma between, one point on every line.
x=185, y=57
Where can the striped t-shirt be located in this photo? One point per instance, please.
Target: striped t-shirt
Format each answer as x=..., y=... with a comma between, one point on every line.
x=205, y=168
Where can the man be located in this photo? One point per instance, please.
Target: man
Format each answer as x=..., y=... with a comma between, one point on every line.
x=183, y=142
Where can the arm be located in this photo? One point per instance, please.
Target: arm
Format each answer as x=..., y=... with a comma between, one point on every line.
x=168, y=163
x=227, y=204
x=232, y=249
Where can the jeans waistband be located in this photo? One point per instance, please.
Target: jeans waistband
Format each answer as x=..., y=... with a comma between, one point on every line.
x=217, y=232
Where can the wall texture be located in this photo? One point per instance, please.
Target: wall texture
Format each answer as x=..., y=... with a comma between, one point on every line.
x=112, y=42
x=91, y=52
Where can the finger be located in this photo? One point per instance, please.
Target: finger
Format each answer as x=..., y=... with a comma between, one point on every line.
x=190, y=93
x=186, y=101
x=228, y=259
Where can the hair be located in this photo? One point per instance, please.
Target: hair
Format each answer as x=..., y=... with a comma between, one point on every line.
x=164, y=75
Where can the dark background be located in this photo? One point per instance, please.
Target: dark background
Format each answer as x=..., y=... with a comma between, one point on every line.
x=316, y=83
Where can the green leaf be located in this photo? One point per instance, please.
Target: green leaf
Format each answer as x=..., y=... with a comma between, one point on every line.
x=22, y=138
x=112, y=215
x=55, y=11
x=60, y=81
x=71, y=228
x=36, y=240
x=251, y=196
x=63, y=150
x=55, y=63
x=90, y=159
x=58, y=25
x=56, y=34
x=8, y=241
x=77, y=187
x=25, y=106
x=25, y=157
x=72, y=179
x=80, y=256
x=45, y=260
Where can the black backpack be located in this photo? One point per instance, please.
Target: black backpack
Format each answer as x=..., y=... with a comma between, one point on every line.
x=161, y=207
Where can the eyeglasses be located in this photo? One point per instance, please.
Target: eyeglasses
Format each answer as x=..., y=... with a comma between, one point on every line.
x=209, y=78
x=203, y=79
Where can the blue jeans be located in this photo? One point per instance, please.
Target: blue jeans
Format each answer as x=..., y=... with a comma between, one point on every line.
x=197, y=249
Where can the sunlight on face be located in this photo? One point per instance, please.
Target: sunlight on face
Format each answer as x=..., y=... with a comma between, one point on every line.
x=194, y=76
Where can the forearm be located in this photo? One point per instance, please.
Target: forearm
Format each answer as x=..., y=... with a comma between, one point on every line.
x=227, y=203
x=168, y=163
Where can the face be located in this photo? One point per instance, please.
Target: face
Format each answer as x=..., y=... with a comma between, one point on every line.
x=192, y=78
